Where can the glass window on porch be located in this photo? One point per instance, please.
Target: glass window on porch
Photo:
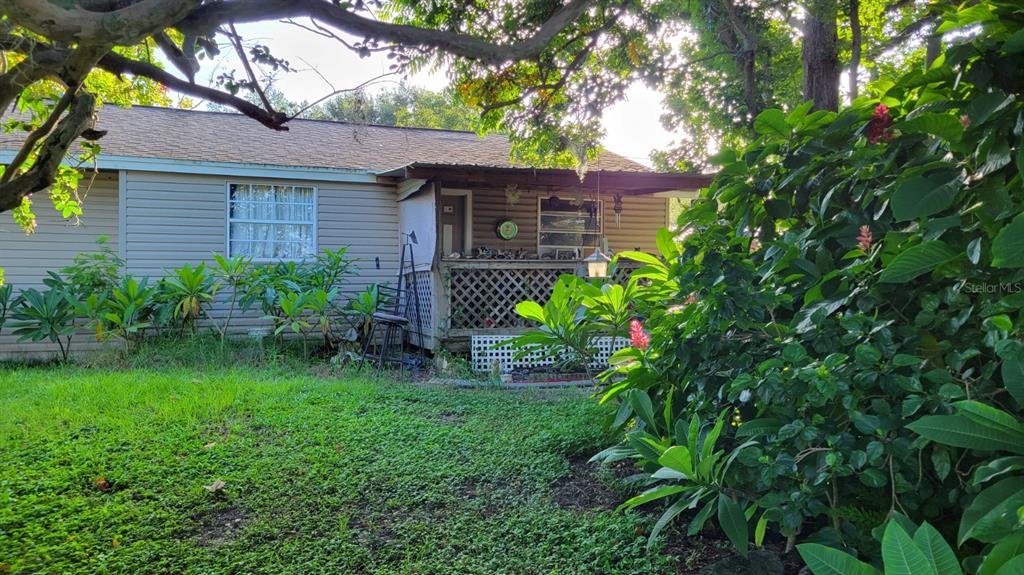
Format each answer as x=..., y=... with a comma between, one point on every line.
x=566, y=227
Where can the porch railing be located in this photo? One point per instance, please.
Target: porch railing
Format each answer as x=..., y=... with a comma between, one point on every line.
x=481, y=296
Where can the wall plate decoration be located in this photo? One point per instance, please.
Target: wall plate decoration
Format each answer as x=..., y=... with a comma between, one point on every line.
x=507, y=230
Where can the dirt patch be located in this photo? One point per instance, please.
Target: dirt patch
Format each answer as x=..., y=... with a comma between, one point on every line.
x=453, y=418
x=220, y=526
x=582, y=490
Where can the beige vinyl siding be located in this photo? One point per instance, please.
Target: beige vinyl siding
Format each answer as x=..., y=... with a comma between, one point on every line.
x=640, y=220
x=174, y=219
x=642, y=217
x=26, y=259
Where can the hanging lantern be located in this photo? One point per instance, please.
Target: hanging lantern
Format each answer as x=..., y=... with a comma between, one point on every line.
x=597, y=264
x=618, y=210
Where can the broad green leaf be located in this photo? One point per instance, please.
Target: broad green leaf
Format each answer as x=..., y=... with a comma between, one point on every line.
x=1015, y=44
x=1014, y=566
x=991, y=510
x=642, y=406
x=772, y=122
x=667, y=244
x=643, y=257
x=900, y=555
x=945, y=126
x=997, y=467
x=1008, y=245
x=974, y=250
x=916, y=261
x=530, y=310
x=982, y=106
x=921, y=196
x=757, y=427
x=938, y=553
x=990, y=416
x=760, y=529
x=822, y=560
x=678, y=458
x=697, y=524
x=653, y=495
x=960, y=431
x=734, y=523
x=1003, y=552
x=668, y=473
x=669, y=514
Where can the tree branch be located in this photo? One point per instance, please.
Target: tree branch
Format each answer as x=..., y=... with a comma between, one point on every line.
x=71, y=23
x=176, y=56
x=117, y=64
x=236, y=41
x=213, y=14
x=39, y=133
x=905, y=34
x=52, y=151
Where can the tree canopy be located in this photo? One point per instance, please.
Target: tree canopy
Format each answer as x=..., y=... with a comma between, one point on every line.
x=405, y=106
x=530, y=67
x=541, y=71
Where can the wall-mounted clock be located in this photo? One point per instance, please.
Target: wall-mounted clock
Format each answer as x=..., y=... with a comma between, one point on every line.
x=507, y=230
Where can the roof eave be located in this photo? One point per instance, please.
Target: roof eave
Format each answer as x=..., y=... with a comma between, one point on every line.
x=628, y=182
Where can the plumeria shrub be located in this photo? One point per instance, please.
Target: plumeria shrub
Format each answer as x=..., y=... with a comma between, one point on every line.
x=845, y=276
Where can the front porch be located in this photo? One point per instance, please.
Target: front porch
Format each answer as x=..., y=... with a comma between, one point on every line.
x=487, y=239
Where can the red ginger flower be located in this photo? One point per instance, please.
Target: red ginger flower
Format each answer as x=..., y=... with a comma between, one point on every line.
x=637, y=336
x=865, y=238
x=879, y=127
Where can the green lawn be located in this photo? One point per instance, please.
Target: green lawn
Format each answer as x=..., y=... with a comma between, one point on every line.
x=115, y=471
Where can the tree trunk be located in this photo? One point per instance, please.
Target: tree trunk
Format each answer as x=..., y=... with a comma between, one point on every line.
x=932, y=51
x=750, y=86
x=855, y=38
x=820, y=56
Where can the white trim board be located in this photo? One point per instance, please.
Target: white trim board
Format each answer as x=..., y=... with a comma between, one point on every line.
x=229, y=169
x=467, y=234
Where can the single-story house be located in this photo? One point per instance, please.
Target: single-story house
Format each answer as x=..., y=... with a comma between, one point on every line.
x=175, y=186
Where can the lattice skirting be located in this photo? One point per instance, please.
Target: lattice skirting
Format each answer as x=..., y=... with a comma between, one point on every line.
x=425, y=290
x=484, y=353
x=487, y=298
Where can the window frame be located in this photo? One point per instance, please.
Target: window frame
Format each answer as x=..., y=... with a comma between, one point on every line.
x=228, y=220
x=540, y=230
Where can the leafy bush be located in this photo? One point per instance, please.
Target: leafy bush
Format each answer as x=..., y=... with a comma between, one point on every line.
x=563, y=335
x=263, y=284
x=233, y=272
x=8, y=301
x=906, y=549
x=845, y=275
x=93, y=272
x=131, y=309
x=189, y=292
x=46, y=315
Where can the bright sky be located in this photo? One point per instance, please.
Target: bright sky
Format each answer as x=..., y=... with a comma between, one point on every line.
x=633, y=126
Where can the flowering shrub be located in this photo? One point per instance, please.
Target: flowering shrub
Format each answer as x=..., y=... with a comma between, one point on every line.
x=885, y=291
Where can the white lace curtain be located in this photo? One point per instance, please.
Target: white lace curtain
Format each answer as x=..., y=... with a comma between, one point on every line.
x=272, y=222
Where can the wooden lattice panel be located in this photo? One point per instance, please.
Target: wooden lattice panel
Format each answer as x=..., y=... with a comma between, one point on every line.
x=486, y=350
x=486, y=298
x=424, y=286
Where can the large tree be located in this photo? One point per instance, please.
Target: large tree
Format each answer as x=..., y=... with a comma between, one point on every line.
x=405, y=106
x=541, y=68
x=734, y=59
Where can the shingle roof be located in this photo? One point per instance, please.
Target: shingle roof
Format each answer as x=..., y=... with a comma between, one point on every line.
x=171, y=133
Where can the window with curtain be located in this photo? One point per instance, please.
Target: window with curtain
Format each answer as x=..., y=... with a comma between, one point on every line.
x=271, y=222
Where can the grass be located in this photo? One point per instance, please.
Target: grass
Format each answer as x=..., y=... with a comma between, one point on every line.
x=105, y=471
